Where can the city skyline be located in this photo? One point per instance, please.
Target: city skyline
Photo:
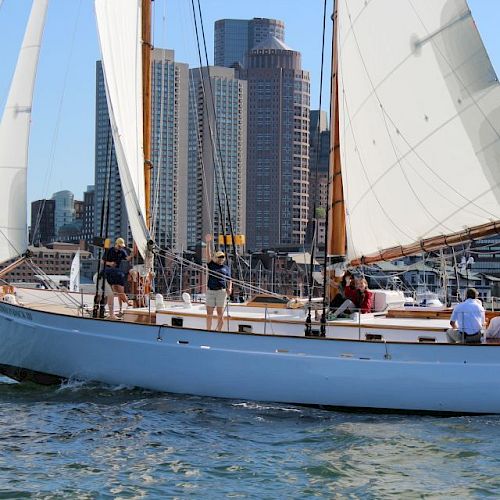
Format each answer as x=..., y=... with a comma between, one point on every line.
x=62, y=143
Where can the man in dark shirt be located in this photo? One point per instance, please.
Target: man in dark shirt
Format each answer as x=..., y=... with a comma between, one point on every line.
x=219, y=285
x=114, y=275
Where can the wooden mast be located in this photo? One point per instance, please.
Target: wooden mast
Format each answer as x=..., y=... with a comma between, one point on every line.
x=336, y=237
x=147, y=47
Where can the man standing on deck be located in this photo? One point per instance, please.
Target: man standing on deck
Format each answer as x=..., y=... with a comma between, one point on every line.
x=219, y=285
x=467, y=320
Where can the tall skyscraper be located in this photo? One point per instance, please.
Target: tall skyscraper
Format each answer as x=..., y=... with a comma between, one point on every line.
x=277, y=146
x=319, y=155
x=170, y=149
x=235, y=37
x=42, y=222
x=169, y=156
x=88, y=215
x=110, y=215
x=217, y=153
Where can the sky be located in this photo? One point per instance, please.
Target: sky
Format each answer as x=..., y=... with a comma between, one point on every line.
x=62, y=139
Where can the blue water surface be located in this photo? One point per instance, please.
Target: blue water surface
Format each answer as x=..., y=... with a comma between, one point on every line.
x=93, y=441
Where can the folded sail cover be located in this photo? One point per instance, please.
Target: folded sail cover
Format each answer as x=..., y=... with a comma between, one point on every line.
x=14, y=139
x=119, y=28
x=419, y=107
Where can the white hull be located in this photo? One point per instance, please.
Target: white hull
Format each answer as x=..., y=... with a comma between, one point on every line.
x=331, y=372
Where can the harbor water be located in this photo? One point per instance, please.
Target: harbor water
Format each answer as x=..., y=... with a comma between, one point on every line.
x=93, y=441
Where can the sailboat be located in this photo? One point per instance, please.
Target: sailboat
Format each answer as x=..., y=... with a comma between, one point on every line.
x=417, y=143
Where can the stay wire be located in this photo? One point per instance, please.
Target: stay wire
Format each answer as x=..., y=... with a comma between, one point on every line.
x=219, y=153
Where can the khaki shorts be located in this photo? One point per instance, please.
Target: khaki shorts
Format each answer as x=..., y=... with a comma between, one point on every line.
x=216, y=298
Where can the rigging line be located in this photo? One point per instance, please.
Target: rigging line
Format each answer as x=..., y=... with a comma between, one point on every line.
x=55, y=136
x=310, y=276
x=10, y=242
x=219, y=151
x=216, y=179
x=327, y=211
x=200, y=159
x=203, y=268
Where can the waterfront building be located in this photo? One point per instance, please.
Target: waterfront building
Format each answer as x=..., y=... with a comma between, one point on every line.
x=217, y=153
x=54, y=259
x=235, y=37
x=277, y=146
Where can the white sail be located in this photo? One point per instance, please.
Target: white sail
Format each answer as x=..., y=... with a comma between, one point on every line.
x=119, y=28
x=14, y=139
x=74, y=277
x=419, y=107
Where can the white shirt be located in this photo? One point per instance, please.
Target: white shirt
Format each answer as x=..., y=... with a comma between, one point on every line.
x=469, y=315
x=493, y=330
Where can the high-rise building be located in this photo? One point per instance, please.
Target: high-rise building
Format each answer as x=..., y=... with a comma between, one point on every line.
x=235, y=37
x=319, y=155
x=109, y=210
x=42, y=222
x=169, y=157
x=277, y=146
x=88, y=215
x=170, y=81
x=64, y=209
x=217, y=153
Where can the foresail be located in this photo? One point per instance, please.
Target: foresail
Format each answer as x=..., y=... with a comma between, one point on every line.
x=419, y=110
x=119, y=28
x=14, y=139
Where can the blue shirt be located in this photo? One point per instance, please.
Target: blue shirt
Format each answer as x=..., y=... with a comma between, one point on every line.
x=115, y=255
x=216, y=282
x=469, y=315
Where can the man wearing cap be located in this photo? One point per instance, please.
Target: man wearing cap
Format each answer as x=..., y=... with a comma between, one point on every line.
x=114, y=275
x=219, y=285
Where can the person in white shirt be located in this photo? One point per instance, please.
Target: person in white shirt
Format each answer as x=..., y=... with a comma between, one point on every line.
x=467, y=320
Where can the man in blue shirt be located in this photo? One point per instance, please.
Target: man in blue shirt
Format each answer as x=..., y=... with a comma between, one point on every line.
x=219, y=285
x=467, y=320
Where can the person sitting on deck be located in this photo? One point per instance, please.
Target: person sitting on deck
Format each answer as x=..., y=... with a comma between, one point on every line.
x=364, y=298
x=343, y=302
x=345, y=289
x=467, y=320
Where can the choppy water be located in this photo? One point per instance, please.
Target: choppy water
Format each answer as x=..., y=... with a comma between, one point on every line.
x=91, y=441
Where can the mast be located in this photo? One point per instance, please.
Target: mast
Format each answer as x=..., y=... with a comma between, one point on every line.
x=147, y=47
x=335, y=229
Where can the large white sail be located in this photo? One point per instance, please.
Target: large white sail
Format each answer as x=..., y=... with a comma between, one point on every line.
x=14, y=139
x=119, y=28
x=419, y=107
